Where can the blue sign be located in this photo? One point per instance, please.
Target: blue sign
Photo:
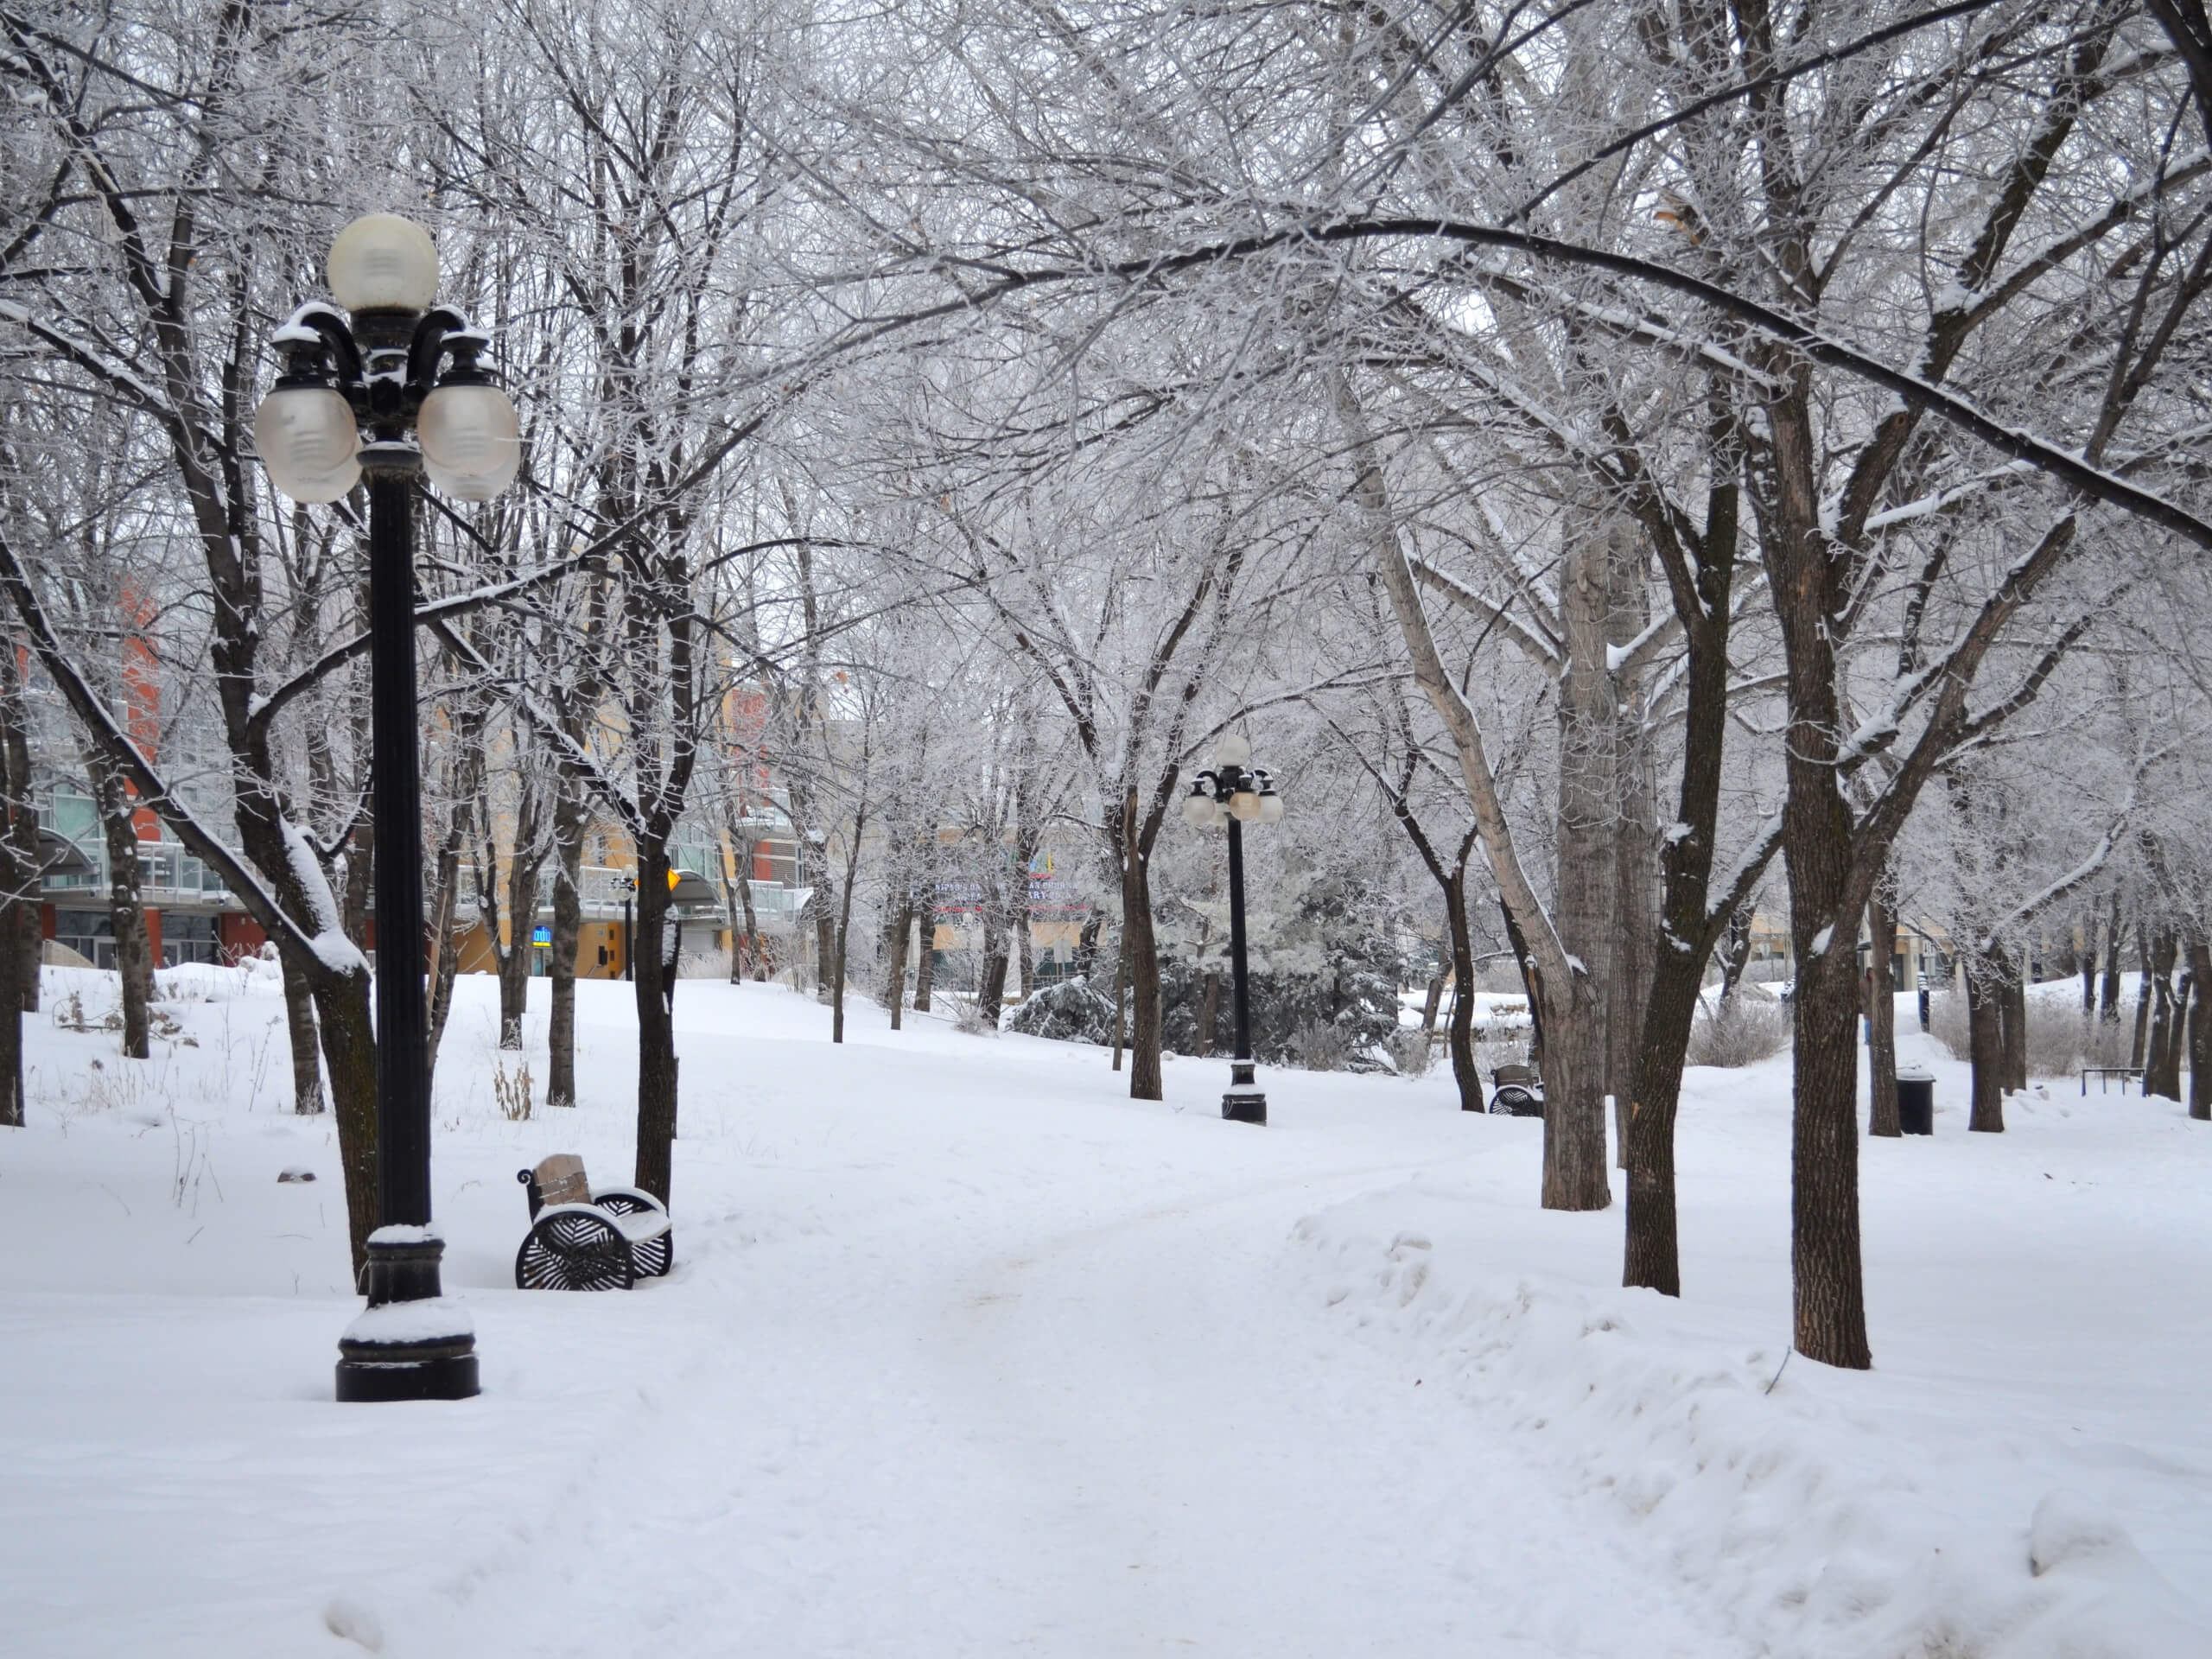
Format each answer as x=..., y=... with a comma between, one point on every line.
x=542, y=935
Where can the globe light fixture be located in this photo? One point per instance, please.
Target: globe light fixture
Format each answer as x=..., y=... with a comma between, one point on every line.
x=384, y=263
x=404, y=370
x=1235, y=793
x=471, y=439
x=309, y=441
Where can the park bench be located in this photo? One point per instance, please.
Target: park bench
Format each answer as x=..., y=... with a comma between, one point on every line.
x=584, y=1237
x=1517, y=1091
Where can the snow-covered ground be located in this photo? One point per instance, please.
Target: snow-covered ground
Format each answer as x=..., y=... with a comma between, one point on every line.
x=967, y=1353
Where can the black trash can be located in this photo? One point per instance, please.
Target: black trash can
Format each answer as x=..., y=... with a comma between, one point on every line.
x=1916, y=1101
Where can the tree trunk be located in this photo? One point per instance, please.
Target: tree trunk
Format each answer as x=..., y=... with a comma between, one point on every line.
x=524, y=863
x=902, y=926
x=1636, y=935
x=1143, y=952
x=1467, y=1075
x=2013, y=1022
x=1827, y=1273
x=342, y=1017
x=2108, y=993
x=1651, y=1252
x=2200, y=1031
x=656, y=1030
x=2156, y=1079
x=990, y=983
x=1521, y=960
x=1120, y=992
x=1735, y=953
x=569, y=820
x=845, y=925
x=1432, y=1000
x=925, y=955
x=1985, y=1045
x=1209, y=1012
x=2187, y=994
x=1881, y=1022
x=126, y=907
x=825, y=934
x=19, y=876
x=306, y=1040
x=2142, y=995
x=1587, y=894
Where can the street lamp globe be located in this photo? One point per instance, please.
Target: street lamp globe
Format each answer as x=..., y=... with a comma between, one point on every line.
x=384, y=263
x=309, y=441
x=1244, y=805
x=1270, y=804
x=471, y=439
x=1197, y=807
x=1233, y=750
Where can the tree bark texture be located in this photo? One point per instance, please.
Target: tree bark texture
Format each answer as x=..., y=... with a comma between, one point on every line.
x=2013, y=1022
x=894, y=953
x=2160, y=1073
x=2142, y=995
x=1828, y=1285
x=656, y=1028
x=1143, y=950
x=1459, y=1035
x=126, y=906
x=2108, y=990
x=19, y=877
x=1881, y=1022
x=570, y=814
x=1688, y=924
x=1586, y=893
x=925, y=956
x=2200, y=1031
x=1985, y=1045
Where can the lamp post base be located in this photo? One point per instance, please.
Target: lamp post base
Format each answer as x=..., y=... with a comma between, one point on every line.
x=1245, y=1106
x=409, y=1343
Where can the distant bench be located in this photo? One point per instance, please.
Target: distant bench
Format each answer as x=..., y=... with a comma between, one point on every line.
x=582, y=1238
x=2102, y=1072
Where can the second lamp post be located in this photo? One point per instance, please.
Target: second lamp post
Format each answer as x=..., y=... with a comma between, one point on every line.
x=384, y=371
x=1235, y=793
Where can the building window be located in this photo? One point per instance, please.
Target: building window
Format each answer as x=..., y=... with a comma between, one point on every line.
x=187, y=938
x=90, y=933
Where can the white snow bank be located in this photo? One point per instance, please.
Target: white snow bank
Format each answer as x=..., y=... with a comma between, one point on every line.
x=1828, y=1525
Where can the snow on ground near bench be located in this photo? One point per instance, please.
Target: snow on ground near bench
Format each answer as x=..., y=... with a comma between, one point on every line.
x=966, y=1353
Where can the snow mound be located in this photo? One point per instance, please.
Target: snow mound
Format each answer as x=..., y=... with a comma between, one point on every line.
x=1777, y=1484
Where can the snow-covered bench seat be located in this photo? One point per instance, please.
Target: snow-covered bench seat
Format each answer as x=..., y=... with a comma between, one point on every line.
x=584, y=1237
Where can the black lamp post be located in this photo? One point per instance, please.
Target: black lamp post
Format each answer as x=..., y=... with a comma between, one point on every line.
x=385, y=370
x=1235, y=792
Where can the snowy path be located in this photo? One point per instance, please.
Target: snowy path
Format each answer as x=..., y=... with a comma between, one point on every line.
x=1068, y=1404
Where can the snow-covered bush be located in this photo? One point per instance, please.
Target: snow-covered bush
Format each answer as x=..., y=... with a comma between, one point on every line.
x=1740, y=1031
x=2059, y=1041
x=1318, y=1045
x=1073, y=1011
x=969, y=1015
x=1411, y=1051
